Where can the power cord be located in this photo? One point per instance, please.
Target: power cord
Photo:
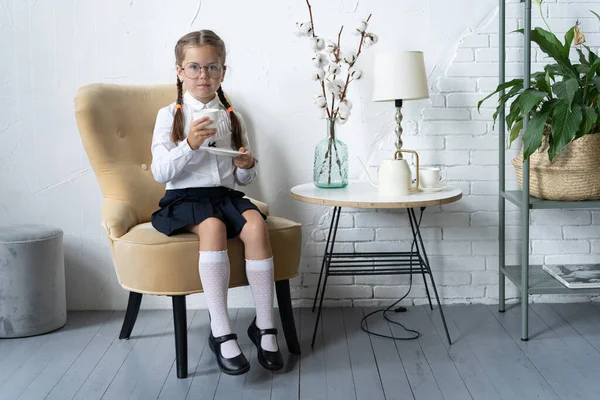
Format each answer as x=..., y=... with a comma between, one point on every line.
x=416, y=334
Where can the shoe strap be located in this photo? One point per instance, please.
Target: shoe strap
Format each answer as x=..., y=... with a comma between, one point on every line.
x=270, y=331
x=225, y=338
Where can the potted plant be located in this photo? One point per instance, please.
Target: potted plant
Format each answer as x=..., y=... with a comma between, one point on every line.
x=563, y=103
x=333, y=71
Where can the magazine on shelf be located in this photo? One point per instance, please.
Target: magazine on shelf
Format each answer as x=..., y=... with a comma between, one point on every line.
x=576, y=276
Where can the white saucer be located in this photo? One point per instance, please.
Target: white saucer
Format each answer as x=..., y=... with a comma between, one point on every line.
x=432, y=190
x=222, y=152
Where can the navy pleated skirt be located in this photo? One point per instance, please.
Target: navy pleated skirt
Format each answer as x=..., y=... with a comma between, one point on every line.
x=182, y=207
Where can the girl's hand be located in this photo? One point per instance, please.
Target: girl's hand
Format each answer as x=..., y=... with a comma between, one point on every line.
x=244, y=161
x=198, y=132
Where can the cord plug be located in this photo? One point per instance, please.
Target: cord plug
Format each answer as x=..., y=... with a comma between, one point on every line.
x=400, y=309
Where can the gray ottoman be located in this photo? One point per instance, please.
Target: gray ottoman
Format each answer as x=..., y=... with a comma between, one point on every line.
x=32, y=280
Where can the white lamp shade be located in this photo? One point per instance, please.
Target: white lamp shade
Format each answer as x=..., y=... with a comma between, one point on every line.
x=400, y=76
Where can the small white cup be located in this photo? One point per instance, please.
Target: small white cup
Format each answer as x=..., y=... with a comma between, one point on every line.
x=431, y=177
x=213, y=114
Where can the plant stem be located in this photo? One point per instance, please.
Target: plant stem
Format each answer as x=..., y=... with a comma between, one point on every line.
x=312, y=25
x=543, y=18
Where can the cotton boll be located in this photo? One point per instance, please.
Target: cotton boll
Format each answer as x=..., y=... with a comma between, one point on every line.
x=330, y=47
x=360, y=28
x=345, y=106
x=317, y=43
x=370, y=39
x=318, y=74
x=333, y=69
x=355, y=73
x=304, y=29
x=320, y=101
x=319, y=60
x=350, y=57
x=335, y=87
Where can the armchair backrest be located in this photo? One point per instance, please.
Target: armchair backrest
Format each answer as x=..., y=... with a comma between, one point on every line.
x=116, y=124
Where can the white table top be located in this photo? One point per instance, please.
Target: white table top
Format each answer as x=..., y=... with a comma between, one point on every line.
x=361, y=194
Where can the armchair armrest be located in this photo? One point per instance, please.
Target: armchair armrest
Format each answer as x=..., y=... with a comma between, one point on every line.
x=117, y=218
x=263, y=207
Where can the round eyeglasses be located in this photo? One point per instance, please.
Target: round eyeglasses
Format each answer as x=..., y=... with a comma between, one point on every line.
x=193, y=70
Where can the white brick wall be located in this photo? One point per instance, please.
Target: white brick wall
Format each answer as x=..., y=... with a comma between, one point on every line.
x=461, y=238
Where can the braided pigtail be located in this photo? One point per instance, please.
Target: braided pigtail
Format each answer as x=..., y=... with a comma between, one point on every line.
x=236, y=126
x=177, y=134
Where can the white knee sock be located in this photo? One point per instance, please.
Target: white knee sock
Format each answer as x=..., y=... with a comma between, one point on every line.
x=260, y=277
x=214, y=274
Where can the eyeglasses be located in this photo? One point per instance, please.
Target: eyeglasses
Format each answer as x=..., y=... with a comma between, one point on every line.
x=193, y=70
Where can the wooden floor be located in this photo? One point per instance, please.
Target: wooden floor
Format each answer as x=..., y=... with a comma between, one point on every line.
x=86, y=360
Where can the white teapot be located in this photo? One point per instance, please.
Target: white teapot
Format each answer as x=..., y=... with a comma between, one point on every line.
x=395, y=176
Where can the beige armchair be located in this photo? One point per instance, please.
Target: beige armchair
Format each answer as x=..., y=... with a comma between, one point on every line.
x=116, y=124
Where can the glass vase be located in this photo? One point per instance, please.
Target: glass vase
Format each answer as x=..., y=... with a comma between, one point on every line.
x=330, y=168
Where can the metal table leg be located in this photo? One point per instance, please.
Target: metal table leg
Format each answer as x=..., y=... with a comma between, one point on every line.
x=414, y=224
x=326, y=263
x=334, y=219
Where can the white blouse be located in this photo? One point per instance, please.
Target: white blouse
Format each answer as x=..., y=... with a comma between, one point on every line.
x=181, y=167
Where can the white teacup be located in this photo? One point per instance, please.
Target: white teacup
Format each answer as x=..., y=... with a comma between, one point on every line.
x=213, y=114
x=431, y=177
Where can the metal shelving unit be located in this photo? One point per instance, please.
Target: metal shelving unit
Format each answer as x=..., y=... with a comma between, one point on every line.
x=530, y=279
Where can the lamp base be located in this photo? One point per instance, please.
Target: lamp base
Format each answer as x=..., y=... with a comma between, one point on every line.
x=398, y=129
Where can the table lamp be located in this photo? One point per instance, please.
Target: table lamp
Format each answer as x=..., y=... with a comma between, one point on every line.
x=400, y=76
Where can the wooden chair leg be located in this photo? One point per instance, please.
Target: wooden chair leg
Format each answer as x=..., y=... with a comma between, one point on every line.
x=287, y=315
x=180, y=320
x=133, y=307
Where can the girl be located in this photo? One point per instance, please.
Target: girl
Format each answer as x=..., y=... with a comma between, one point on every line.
x=200, y=197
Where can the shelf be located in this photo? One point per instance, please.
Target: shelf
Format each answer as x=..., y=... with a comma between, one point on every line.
x=514, y=196
x=541, y=282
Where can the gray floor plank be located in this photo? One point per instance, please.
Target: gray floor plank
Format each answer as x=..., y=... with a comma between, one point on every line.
x=313, y=380
x=340, y=384
x=286, y=383
x=175, y=388
x=135, y=367
x=207, y=375
x=391, y=368
x=86, y=360
x=420, y=376
x=470, y=369
x=512, y=373
x=584, y=357
x=365, y=372
x=584, y=318
x=106, y=370
x=259, y=381
x=545, y=350
x=59, y=356
x=444, y=371
x=76, y=375
x=20, y=350
x=232, y=387
x=159, y=365
x=56, y=342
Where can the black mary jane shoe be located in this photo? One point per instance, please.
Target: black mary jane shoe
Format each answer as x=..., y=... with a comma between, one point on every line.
x=237, y=365
x=271, y=360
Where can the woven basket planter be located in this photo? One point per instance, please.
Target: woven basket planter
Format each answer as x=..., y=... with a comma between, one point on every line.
x=573, y=175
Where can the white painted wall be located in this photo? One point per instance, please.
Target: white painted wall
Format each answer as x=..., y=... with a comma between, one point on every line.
x=50, y=48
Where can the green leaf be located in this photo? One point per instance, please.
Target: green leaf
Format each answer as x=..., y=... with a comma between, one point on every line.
x=582, y=58
x=593, y=69
x=591, y=55
x=565, y=123
x=513, y=115
x=566, y=89
x=529, y=99
x=532, y=138
x=514, y=132
x=548, y=43
x=597, y=16
x=568, y=41
x=500, y=88
x=589, y=120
